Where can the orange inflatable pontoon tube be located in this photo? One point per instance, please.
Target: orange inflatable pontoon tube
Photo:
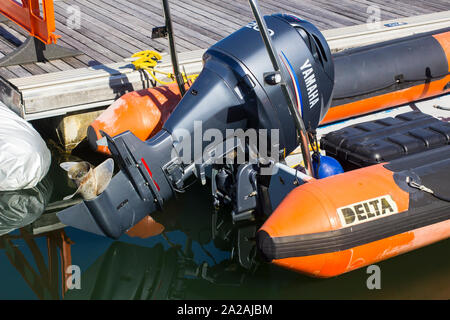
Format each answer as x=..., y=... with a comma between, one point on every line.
x=427, y=87
x=331, y=226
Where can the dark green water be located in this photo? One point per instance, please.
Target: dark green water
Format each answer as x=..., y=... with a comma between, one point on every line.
x=190, y=262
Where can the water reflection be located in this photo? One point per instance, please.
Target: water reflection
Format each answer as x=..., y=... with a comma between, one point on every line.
x=193, y=246
x=18, y=210
x=41, y=277
x=22, y=207
x=193, y=252
x=129, y=271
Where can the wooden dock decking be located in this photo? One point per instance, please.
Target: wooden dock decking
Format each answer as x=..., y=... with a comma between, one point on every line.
x=113, y=30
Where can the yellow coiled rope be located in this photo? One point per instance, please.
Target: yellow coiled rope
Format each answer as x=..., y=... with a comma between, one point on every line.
x=148, y=60
x=312, y=147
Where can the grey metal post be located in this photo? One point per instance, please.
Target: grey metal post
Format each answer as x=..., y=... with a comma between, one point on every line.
x=301, y=129
x=173, y=52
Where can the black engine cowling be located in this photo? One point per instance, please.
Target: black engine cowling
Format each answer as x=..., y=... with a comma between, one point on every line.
x=231, y=91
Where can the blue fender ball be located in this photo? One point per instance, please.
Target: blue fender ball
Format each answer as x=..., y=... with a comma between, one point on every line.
x=325, y=166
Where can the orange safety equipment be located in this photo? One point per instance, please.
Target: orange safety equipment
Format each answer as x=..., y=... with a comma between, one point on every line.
x=142, y=112
x=28, y=15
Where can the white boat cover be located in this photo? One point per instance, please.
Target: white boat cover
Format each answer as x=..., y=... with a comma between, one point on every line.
x=24, y=156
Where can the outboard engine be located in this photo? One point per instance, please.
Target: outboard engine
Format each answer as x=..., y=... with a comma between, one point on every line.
x=232, y=92
x=236, y=90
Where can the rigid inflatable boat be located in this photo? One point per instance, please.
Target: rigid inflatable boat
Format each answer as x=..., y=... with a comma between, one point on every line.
x=367, y=79
x=334, y=225
x=390, y=73
x=384, y=190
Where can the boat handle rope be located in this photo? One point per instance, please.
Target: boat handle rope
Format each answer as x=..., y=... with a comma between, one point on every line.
x=441, y=107
x=148, y=60
x=423, y=188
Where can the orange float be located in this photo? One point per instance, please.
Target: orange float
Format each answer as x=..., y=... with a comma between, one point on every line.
x=426, y=88
x=142, y=112
x=388, y=100
x=28, y=15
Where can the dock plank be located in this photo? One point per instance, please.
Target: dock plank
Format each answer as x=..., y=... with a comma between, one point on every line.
x=397, y=7
x=18, y=71
x=58, y=93
x=141, y=29
x=48, y=67
x=112, y=30
x=105, y=38
x=326, y=20
x=315, y=10
x=188, y=23
x=220, y=12
x=124, y=20
x=13, y=71
x=434, y=5
x=155, y=15
x=18, y=35
x=215, y=18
